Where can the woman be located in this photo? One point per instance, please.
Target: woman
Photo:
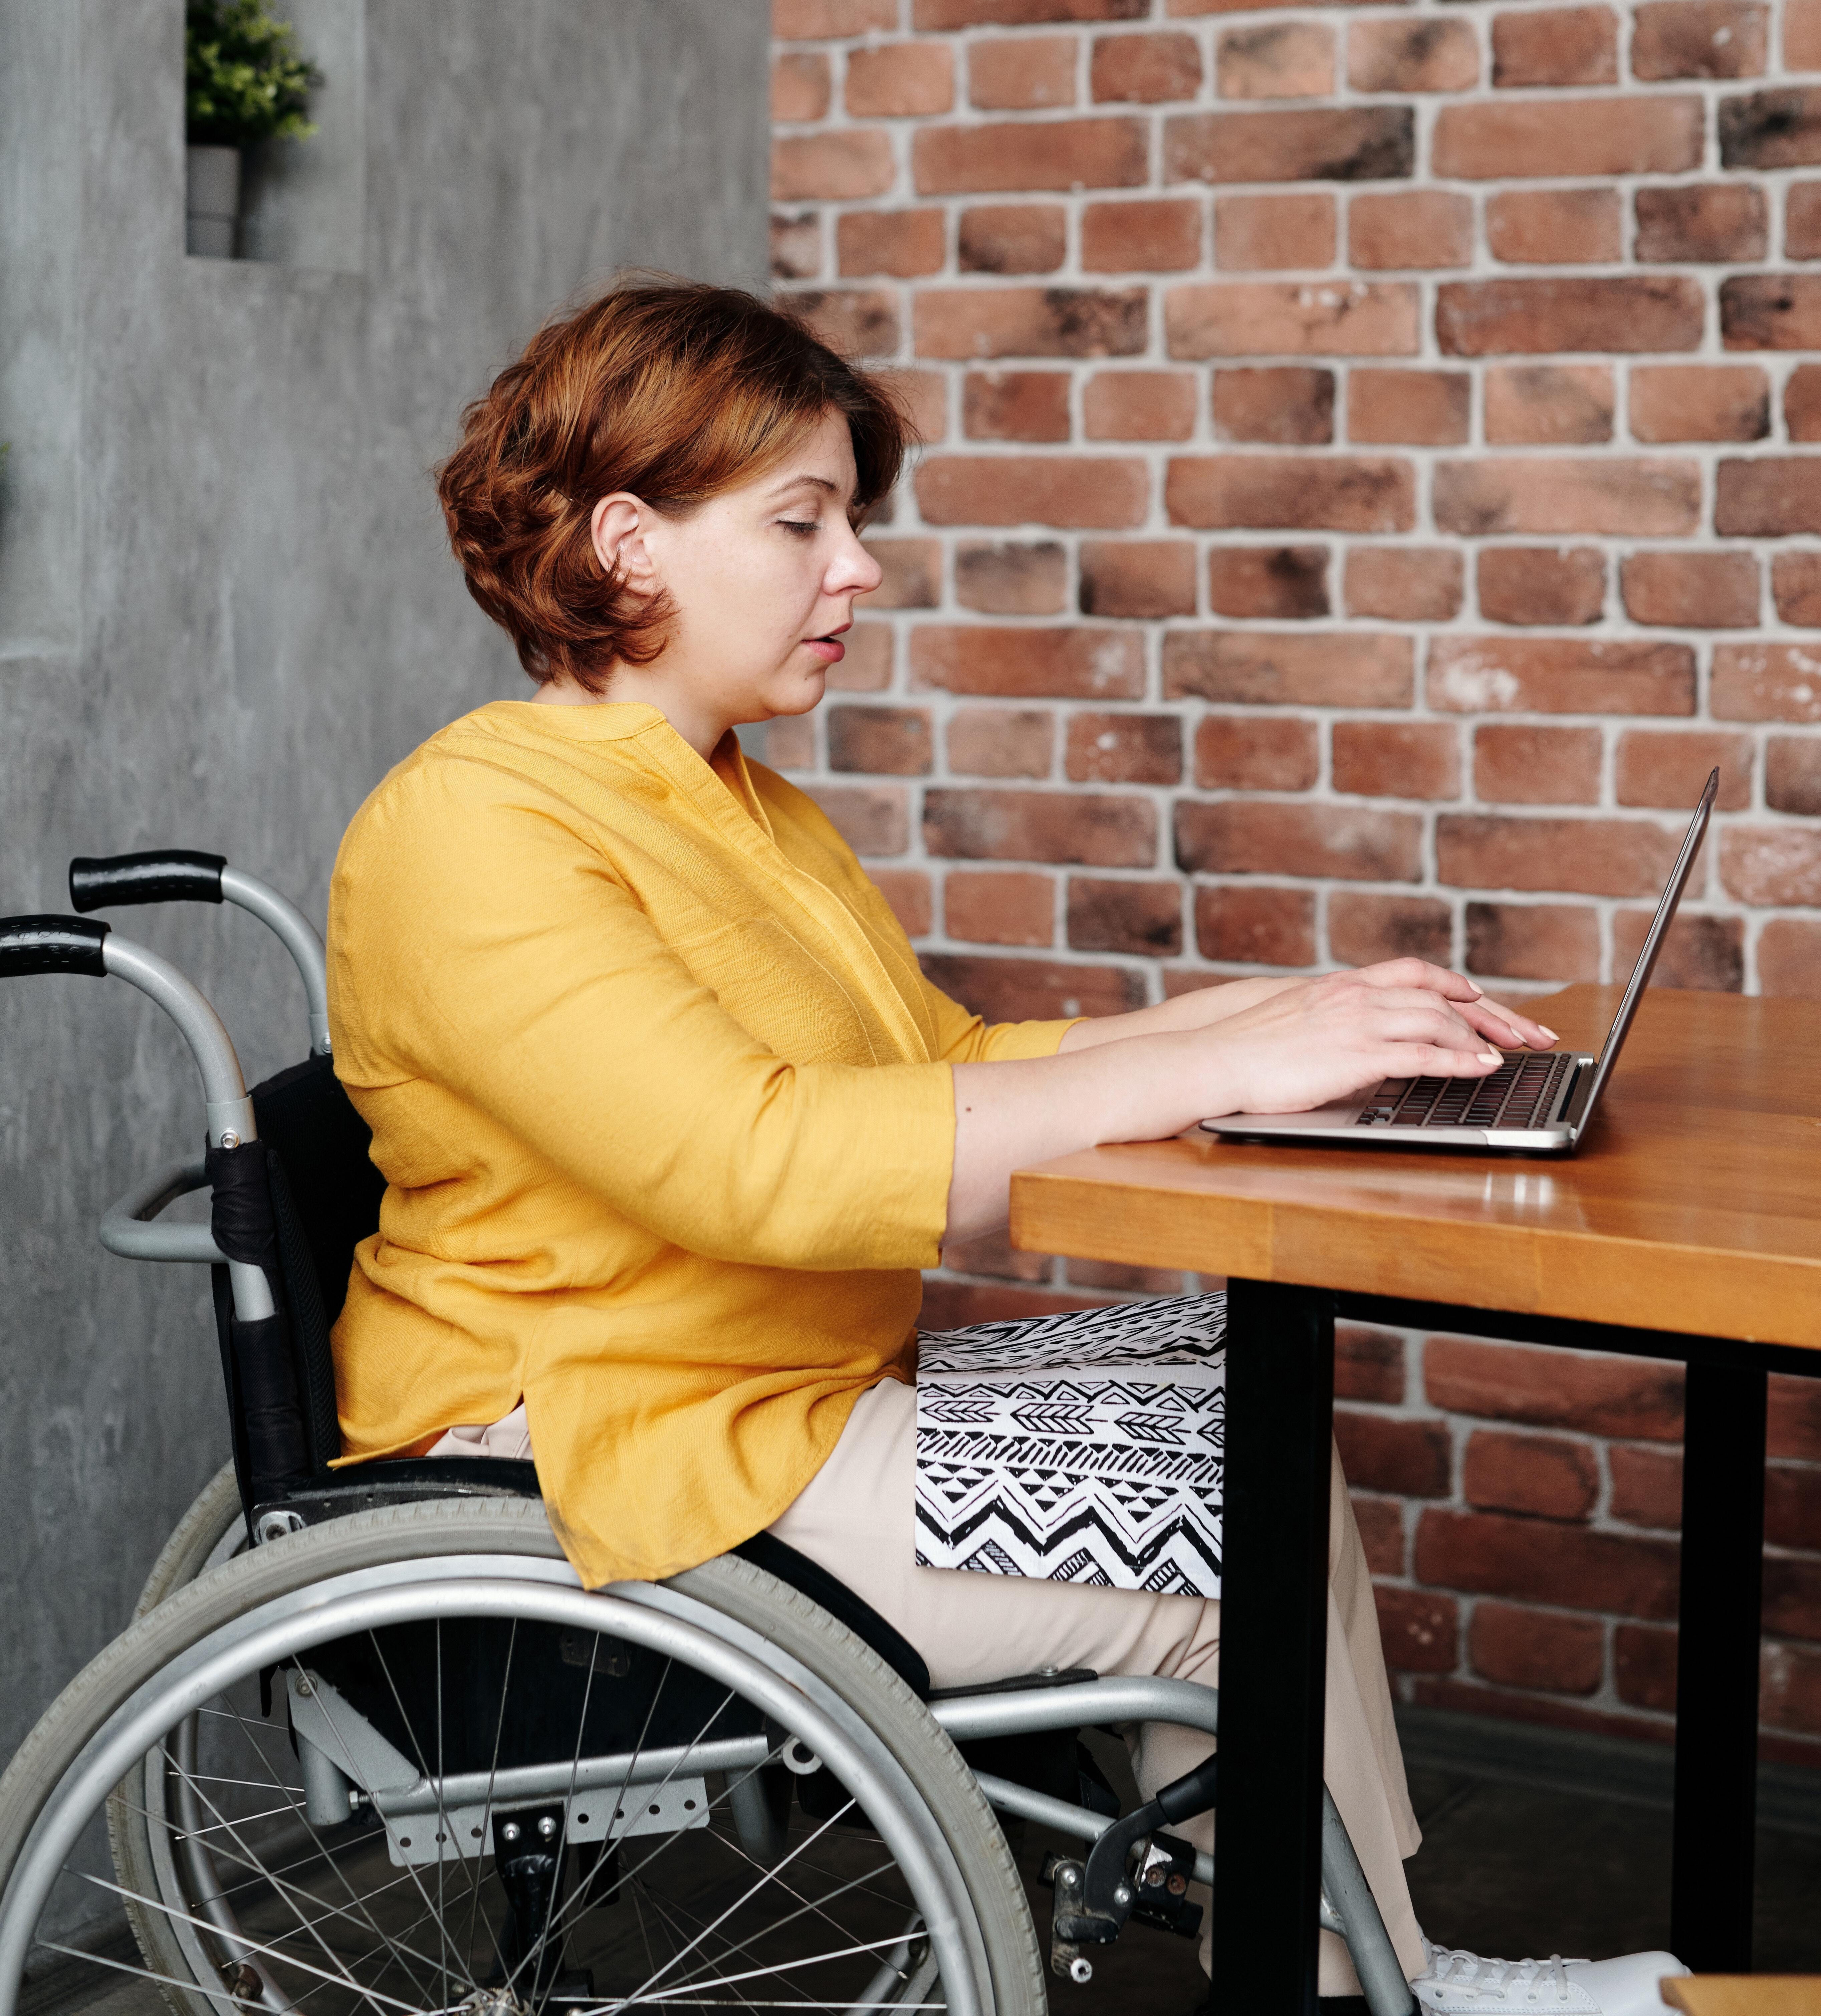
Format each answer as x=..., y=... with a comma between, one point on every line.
x=669, y=1118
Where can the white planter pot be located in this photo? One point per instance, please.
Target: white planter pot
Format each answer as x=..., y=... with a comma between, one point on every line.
x=211, y=201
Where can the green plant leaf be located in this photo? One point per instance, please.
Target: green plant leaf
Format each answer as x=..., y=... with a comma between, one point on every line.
x=245, y=79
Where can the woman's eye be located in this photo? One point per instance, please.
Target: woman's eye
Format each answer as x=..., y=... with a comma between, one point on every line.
x=803, y=530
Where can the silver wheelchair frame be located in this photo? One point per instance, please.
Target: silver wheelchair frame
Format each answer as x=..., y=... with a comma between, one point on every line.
x=132, y=1228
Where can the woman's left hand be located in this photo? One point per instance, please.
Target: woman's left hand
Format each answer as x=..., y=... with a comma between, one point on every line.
x=1498, y=1024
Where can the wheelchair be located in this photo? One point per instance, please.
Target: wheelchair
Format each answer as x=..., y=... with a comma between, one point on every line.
x=368, y=1745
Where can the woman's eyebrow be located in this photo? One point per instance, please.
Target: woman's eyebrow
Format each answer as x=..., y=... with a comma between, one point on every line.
x=796, y=482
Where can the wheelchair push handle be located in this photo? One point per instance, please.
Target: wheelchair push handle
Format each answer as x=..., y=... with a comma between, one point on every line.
x=51, y=945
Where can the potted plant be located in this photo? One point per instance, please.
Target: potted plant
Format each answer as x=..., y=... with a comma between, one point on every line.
x=245, y=81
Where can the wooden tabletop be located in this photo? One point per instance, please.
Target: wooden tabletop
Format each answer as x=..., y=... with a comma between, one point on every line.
x=1744, y=1994
x=1694, y=1205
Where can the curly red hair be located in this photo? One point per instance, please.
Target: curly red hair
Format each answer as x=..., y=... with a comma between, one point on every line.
x=672, y=390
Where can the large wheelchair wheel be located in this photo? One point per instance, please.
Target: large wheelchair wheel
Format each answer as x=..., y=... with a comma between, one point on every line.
x=705, y=1793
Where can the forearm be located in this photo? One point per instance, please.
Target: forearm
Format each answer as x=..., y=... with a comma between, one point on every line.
x=1196, y=1010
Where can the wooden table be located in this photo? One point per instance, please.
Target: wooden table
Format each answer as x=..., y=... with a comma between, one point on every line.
x=1745, y=1994
x=1688, y=1227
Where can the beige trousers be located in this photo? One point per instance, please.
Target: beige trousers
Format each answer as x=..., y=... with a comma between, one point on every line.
x=855, y=1518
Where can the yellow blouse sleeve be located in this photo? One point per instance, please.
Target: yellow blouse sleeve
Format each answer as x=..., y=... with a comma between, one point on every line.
x=965, y=1039
x=499, y=957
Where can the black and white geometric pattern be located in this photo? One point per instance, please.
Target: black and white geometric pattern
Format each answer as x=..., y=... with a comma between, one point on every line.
x=1086, y=1447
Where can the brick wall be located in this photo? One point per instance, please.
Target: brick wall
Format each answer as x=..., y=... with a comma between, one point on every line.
x=1367, y=488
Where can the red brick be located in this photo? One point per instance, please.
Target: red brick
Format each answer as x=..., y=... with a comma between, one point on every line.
x=1803, y=34
x=1489, y=317
x=1142, y=920
x=1641, y=497
x=867, y=667
x=1093, y=830
x=829, y=20
x=1789, y=958
x=1647, y=1487
x=799, y=87
x=907, y=890
x=1535, y=1559
x=1258, y=234
x=857, y=322
x=796, y=246
x=906, y=243
x=1278, y=59
x=1123, y=749
x=1558, y=941
x=1121, y=1280
x=1008, y=909
x=1597, y=857
x=1673, y=402
x=1082, y=662
x=1291, y=493
x=1404, y=584
x=1022, y=73
x=1639, y=1399
x=1554, y=227
x=1267, y=667
x=994, y=1254
x=1573, y=136
x=1793, y=1416
x=1792, y=1508
x=1070, y=490
x=1161, y=235
x=1644, y=1667
x=1407, y=1459
x=972, y=323
x=1767, y=682
x=1419, y=1630
x=1771, y=129
x=1010, y=580
x=1552, y=1710
x=1381, y=1531
x=1771, y=864
x=1678, y=38
x=1428, y=408
x=938, y=15
x=871, y=821
x=900, y=80
x=1517, y=764
x=1548, y=1477
x=1138, y=577
x=1768, y=497
x=1244, y=317
x=1364, y=929
x=1536, y=1648
x=954, y=1305
x=1771, y=310
x=1414, y=229
x=889, y=741
x=1138, y=405
x=913, y=570
x=1692, y=591
x=1549, y=404
x=1802, y=221
x=1288, y=583
x=1394, y=759
x=1291, y=404
x=1368, y=1364
x=1344, y=144
x=1789, y=1691
x=924, y=396
x=1144, y=70
x=1019, y=990
x=1560, y=675
x=1049, y=154
x=1427, y=55
x=1261, y=836
x=1011, y=238
x=1716, y=222
x=1792, y=1597
x=1701, y=952
x=1556, y=586
x=1001, y=742
x=842, y=167
x=1792, y=774
x=1656, y=767
x=1015, y=405
x=1250, y=752
x=1555, y=45
x=1256, y=926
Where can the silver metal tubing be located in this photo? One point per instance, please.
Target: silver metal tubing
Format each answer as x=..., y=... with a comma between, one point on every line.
x=1344, y=1887
x=230, y=1112
x=127, y=1228
x=587, y=1774
x=1059, y=1814
x=300, y=940
x=1187, y=1703
x=411, y=1591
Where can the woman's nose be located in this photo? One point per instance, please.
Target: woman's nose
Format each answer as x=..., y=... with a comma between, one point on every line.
x=853, y=570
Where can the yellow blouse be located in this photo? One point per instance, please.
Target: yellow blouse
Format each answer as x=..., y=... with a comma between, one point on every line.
x=664, y=1108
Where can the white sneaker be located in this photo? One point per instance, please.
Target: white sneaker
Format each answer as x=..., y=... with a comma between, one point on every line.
x=1463, y=1983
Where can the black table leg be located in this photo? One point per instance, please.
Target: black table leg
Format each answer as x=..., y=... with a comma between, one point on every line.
x=1273, y=1647
x=1716, y=1668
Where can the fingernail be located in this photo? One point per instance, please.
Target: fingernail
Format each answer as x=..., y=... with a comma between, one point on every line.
x=1477, y=990
x=1489, y=1056
x=1549, y=1032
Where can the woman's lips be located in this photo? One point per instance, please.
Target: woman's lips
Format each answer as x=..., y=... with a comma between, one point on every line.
x=831, y=650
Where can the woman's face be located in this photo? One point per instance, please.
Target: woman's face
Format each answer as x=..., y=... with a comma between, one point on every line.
x=762, y=579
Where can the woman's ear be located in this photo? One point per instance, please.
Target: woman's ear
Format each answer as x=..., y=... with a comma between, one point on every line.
x=618, y=528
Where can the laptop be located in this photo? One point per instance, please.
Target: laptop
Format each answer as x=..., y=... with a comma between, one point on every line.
x=1536, y=1103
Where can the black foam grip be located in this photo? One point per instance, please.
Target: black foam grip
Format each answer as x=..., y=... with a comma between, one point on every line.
x=167, y=875
x=50, y=944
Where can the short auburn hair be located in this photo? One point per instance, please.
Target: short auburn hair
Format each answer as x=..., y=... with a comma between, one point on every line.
x=671, y=389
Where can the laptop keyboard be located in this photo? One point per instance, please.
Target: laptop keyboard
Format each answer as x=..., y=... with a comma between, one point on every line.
x=1518, y=1094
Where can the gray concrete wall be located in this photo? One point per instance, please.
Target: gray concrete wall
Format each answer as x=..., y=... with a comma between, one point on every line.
x=226, y=607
